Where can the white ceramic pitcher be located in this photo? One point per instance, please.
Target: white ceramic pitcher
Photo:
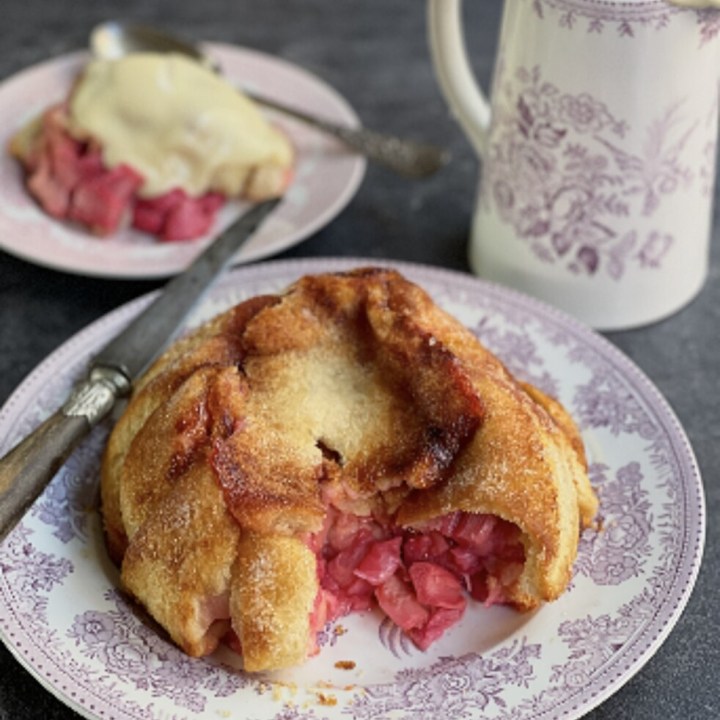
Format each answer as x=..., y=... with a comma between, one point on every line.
x=597, y=150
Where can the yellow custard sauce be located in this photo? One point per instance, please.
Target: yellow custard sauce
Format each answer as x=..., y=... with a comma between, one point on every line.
x=176, y=123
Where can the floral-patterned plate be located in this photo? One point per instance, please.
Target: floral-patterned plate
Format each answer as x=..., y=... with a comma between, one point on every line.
x=63, y=617
x=325, y=180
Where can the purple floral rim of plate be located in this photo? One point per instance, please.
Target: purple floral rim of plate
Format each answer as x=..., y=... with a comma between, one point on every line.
x=631, y=581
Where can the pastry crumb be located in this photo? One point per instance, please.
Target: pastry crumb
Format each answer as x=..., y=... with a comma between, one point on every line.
x=345, y=664
x=279, y=688
x=327, y=700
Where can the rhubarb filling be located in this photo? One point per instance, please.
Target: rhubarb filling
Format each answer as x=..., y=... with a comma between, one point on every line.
x=69, y=179
x=420, y=578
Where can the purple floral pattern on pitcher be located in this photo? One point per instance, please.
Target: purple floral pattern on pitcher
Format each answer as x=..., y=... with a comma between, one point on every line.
x=558, y=173
x=625, y=19
x=709, y=22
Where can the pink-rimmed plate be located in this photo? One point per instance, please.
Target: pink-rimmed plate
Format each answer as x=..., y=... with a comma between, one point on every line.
x=64, y=619
x=326, y=175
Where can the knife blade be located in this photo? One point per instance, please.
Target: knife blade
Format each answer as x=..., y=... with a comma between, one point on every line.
x=29, y=466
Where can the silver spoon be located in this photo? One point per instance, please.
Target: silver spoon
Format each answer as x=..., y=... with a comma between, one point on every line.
x=115, y=38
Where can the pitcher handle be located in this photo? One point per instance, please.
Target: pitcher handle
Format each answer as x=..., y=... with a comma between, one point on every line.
x=455, y=76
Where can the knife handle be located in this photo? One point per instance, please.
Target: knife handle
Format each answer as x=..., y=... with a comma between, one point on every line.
x=27, y=468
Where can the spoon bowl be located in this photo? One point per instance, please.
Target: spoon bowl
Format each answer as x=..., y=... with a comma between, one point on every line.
x=114, y=39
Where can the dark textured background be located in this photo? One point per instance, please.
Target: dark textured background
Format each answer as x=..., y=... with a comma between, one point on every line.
x=374, y=52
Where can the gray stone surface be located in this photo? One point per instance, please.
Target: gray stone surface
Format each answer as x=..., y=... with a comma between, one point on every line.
x=374, y=52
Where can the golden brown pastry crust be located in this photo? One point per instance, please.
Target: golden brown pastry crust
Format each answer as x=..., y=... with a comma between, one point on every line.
x=350, y=388
x=273, y=594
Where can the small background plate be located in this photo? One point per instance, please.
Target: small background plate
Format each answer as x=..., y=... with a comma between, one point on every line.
x=326, y=174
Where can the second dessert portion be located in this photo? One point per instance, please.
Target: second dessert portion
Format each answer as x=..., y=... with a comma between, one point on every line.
x=156, y=140
x=341, y=446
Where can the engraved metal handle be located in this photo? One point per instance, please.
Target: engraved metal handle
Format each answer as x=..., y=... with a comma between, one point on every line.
x=29, y=466
x=406, y=157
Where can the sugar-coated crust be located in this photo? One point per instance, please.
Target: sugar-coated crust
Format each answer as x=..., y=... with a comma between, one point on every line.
x=272, y=599
x=180, y=560
x=521, y=466
x=213, y=345
x=587, y=500
x=392, y=405
x=350, y=388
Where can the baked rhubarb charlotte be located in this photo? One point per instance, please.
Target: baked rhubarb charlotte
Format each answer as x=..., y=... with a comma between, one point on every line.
x=343, y=446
